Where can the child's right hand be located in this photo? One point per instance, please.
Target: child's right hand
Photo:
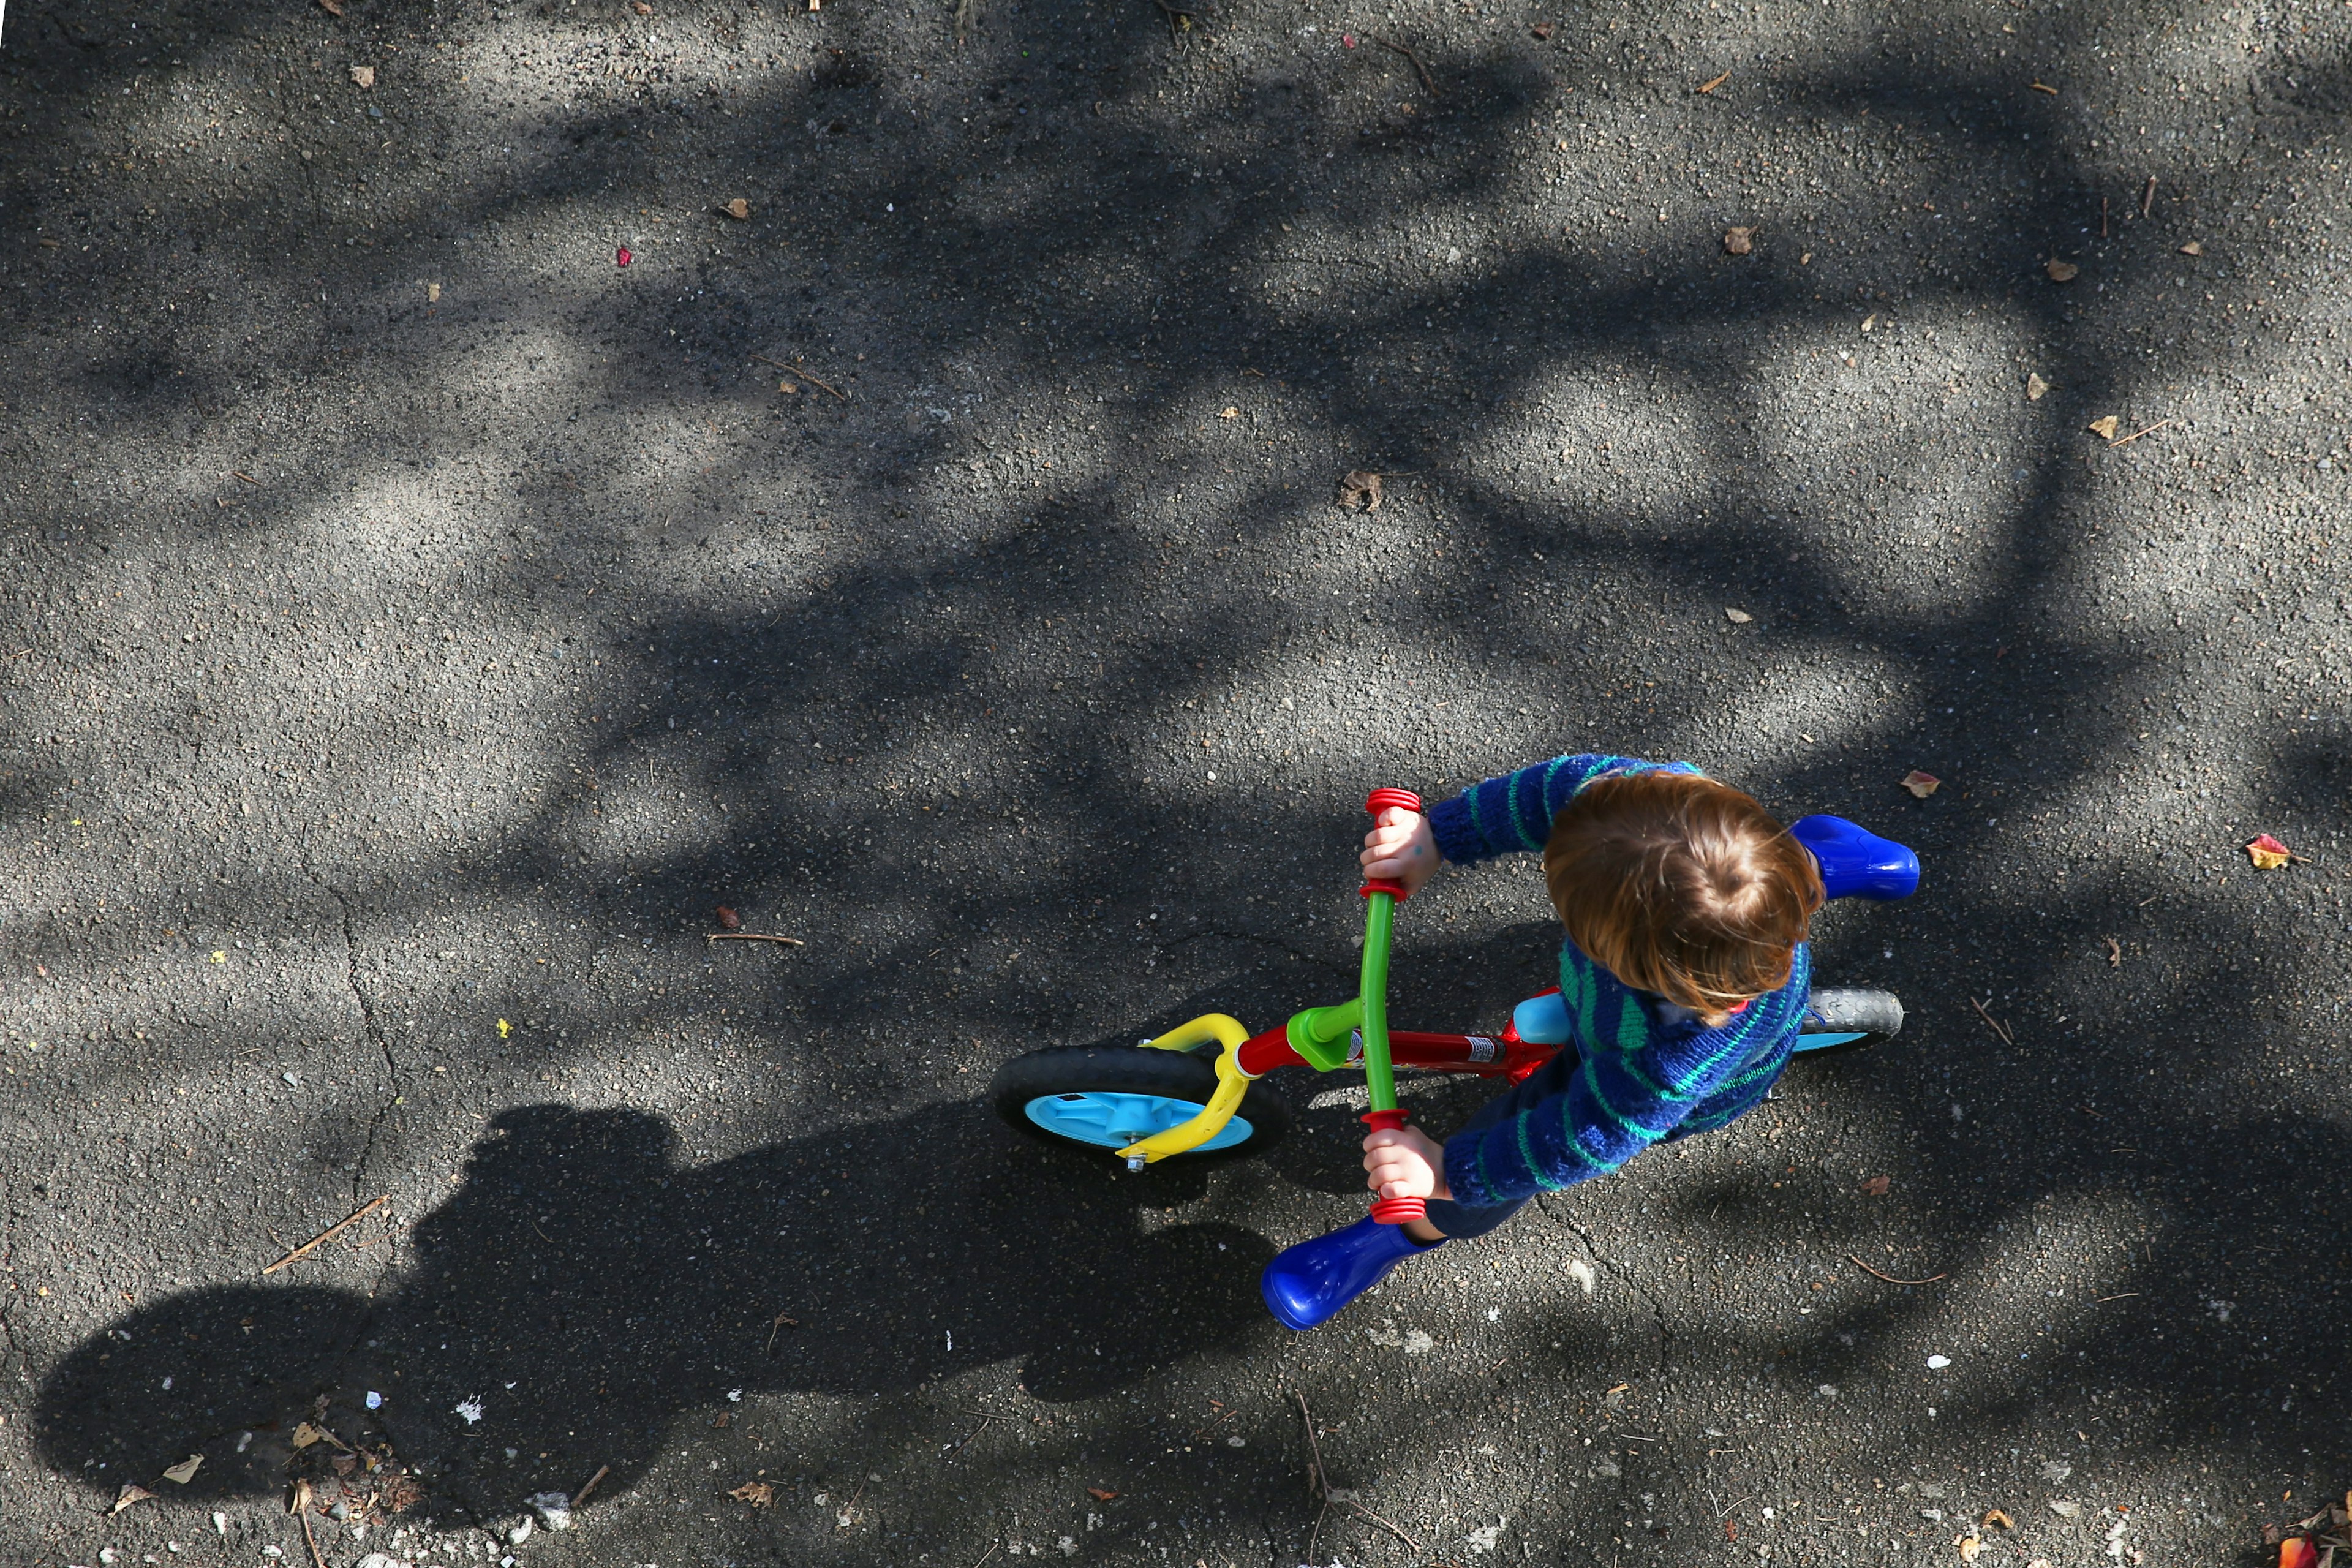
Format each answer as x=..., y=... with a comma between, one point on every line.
x=1400, y=848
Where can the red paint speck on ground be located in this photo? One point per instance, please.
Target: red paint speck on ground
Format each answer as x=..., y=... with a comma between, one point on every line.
x=1348, y=39
x=622, y=257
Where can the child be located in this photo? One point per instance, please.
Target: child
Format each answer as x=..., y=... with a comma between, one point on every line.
x=1685, y=974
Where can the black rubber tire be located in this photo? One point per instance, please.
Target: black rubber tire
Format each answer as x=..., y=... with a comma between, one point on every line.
x=1129, y=1070
x=1878, y=1013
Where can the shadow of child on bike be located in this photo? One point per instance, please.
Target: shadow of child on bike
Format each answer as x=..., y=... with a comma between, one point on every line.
x=584, y=1289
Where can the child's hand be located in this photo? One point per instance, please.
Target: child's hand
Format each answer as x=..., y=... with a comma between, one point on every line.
x=1406, y=1163
x=1400, y=848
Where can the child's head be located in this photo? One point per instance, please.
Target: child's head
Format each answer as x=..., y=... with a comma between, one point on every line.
x=1682, y=887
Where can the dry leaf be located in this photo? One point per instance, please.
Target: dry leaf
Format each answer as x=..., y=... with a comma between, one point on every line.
x=1921, y=785
x=433, y=293
x=2040, y=1563
x=640, y=7
x=1360, y=490
x=331, y=7
x=2114, y=953
x=1876, y=1186
x=1541, y=29
x=729, y=919
x=1099, y=1495
x=305, y=1434
x=1229, y=412
x=2061, y=271
x=738, y=208
x=1868, y=322
x=2193, y=248
x=2034, y=387
x=1737, y=618
x=186, y=1470
x=129, y=1495
x=1994, y=1516
x=2268, y=854
x=758, y=1494
x=1739, y=241
x=2065, y=1508
x=1718, y=81
x=1970, y=1545
x=2105, y=428
x=364, y=76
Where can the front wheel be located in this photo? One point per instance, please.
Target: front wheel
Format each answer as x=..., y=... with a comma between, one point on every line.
x=1104, y=1097
x=1844, y=1020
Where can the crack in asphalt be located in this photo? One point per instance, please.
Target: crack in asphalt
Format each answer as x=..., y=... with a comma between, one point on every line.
x=375, y=1032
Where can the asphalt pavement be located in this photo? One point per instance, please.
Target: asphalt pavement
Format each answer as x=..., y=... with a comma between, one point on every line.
x=486, y=487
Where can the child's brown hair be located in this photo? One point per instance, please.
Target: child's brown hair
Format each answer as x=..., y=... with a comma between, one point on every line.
x=1682, y=887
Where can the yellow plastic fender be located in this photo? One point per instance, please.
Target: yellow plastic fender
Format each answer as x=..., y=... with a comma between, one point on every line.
x=1232, y=1084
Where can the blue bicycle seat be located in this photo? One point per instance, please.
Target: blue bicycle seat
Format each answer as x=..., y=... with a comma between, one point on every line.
x=1857, y=862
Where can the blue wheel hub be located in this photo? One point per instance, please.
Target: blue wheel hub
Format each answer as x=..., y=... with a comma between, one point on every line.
x=1108, y=1119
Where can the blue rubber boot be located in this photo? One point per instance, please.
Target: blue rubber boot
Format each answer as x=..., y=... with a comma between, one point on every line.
x=1307, y=1285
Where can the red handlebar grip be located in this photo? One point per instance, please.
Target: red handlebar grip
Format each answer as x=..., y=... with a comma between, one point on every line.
x=1379, y=801
x=1391, y=1211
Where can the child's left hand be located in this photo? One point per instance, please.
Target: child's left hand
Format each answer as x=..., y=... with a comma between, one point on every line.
x=1406, y=1163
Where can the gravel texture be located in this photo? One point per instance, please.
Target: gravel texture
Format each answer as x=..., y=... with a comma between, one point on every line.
x=425, y=621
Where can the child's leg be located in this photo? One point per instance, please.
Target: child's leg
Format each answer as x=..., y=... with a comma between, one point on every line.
x=1447, y=1219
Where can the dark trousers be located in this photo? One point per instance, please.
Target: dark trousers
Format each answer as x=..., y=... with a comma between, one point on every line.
x=1457, y=1220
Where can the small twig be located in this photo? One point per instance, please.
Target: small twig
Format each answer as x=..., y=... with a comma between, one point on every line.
x=542, y=1235
x=327, y=1235
x=754, y=936
x=781, y=1321
x=803, y=375
x=1890, y=1279
x=2147, y=196
x=2117, y=1297
x=1317, y=1533
x=2102, y=217
x=1706, y=86
x=1727, y=1512
x=1428, y=85
x=582, y=1495
x=988, y=1553
x=302, y=1515
x=248, y=479
x=2045, y=87
x=2007, y=1038
x=2127, y=441
x=965, y=1441
x=1410, y=1543
x=1315, y=1481
x=1178, y=23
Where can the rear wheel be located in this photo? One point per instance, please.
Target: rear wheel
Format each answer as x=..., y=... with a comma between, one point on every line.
x=1104, y=1097
x=1849, y=1021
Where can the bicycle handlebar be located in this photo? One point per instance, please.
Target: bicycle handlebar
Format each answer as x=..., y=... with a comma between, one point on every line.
x=1379, y=1075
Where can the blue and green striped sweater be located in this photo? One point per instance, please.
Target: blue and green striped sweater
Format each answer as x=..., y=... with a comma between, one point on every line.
x=1649, y=1071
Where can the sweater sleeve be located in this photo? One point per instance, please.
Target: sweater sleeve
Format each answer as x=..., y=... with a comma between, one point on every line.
x=1514, y=811
x=1618, y=1104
